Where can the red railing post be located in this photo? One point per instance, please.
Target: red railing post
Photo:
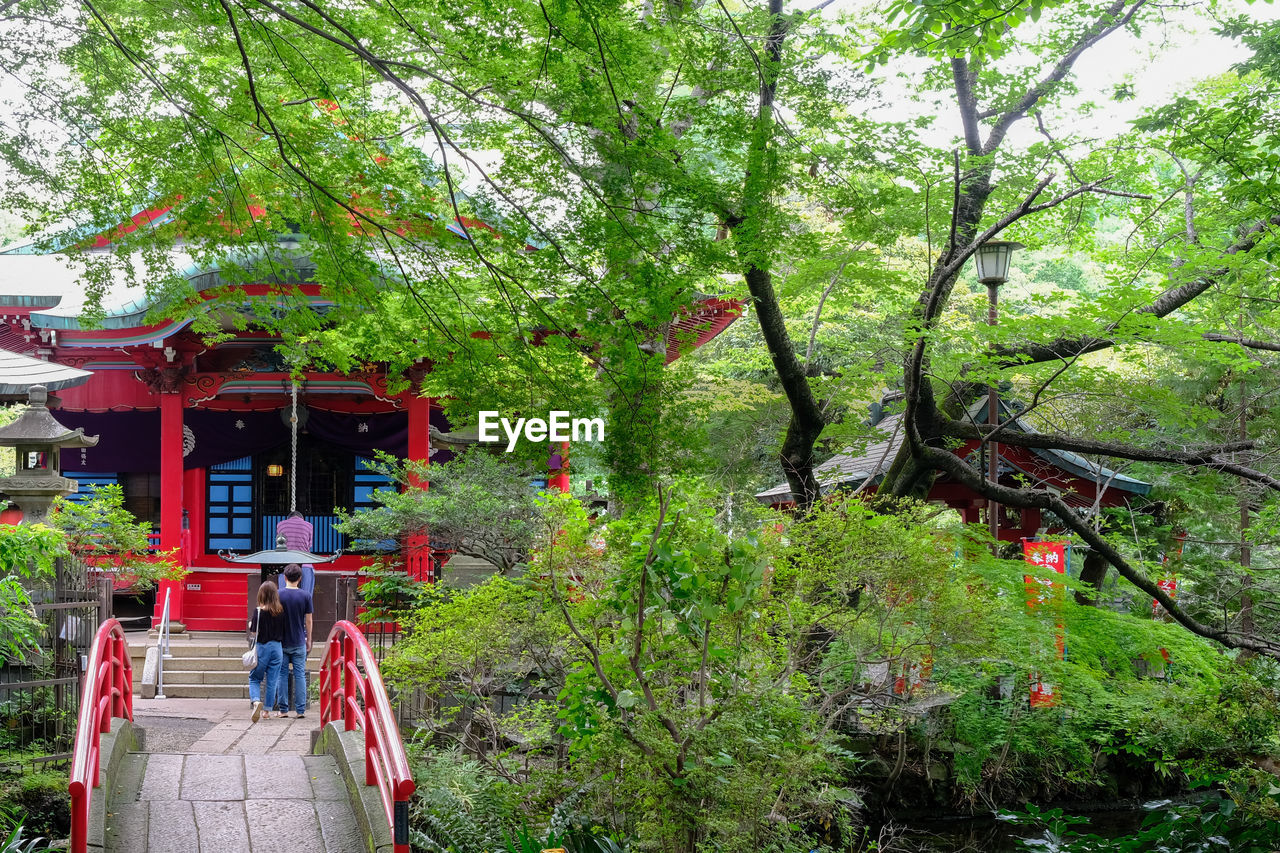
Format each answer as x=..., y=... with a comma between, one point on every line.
x=370, y=739
x=363, y=703
x=107, y=693
x=325, y=691
x=117, y=680
x=348, y=682
x=128, y=680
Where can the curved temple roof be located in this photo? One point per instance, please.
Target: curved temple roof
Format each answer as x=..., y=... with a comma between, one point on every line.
x=849, y=470
x=19, y=372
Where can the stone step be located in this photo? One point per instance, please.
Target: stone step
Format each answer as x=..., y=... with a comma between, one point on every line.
x=212, y=677
x=225, y=648
x=206, y=691
x=237, y=690
x=222, y=662
x=211, y=663
x=206, y=670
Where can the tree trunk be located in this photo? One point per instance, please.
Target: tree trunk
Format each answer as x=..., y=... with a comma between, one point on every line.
x=752, y=247
x=1093, y=573
x=806, y=417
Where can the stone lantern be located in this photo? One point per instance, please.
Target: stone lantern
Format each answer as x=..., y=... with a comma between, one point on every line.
x=39, y=440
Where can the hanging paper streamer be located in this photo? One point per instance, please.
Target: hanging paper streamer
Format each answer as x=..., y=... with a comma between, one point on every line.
x=1043, y=592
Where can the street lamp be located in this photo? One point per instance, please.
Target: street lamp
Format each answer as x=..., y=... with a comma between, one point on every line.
x=992, y=260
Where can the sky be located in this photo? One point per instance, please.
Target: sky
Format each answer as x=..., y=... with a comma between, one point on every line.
x=1156, y=72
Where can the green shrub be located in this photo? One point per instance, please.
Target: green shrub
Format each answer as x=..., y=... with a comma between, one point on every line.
x=1213, y=824
x=459, y=806
x=43, y=800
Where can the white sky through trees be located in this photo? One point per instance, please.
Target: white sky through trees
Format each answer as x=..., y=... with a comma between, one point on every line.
x=1156, y=71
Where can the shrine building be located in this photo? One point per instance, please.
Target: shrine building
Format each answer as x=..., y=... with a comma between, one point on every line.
x=1080, y=482
x=198, y=435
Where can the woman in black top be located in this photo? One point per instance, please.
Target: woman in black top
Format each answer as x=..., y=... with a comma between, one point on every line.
x=268, y=625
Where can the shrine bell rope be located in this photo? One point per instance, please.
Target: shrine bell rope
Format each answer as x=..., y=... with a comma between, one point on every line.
x=293, y=446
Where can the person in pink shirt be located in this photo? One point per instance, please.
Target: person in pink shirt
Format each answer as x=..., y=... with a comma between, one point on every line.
x=298, y=534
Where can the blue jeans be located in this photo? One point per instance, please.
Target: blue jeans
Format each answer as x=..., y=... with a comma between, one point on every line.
x=269, y=660
x=297, y=657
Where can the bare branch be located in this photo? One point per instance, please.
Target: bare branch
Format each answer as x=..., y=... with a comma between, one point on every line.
x=1115, y=17
x=944, y=460
x=1247, y=343
x=1162, y=306
x=1207, y=456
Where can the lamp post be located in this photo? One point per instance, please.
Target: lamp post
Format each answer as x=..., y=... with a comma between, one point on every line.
x=992, y=259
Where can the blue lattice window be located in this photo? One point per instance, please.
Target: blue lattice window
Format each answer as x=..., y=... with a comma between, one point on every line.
x=230, y=506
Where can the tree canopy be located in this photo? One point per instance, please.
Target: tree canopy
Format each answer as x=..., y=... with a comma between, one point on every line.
x=510, y=209
x=526, y=205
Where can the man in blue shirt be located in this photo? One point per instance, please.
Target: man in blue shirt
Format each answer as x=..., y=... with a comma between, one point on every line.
x=297, y=641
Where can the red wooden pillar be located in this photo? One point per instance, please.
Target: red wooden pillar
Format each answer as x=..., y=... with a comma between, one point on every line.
x=559, y=479
x=418, y=548
x=194, y=492
x=419, y=430
x=171, y=498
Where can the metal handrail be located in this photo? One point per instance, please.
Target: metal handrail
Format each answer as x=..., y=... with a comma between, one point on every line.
x=162, y=645
x=361, y=702
x=107, y=693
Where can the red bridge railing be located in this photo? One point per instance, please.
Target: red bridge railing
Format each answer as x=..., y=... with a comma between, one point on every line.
x=360, y=701
x=107, y=693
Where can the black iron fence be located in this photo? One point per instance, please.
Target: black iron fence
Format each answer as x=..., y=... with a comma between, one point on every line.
x=40, y=697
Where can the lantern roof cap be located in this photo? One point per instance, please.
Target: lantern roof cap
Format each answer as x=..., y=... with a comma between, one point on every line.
x=36, y=425
x=467, y=436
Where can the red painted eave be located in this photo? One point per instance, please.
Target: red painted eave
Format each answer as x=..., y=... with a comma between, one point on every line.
x=699, y=325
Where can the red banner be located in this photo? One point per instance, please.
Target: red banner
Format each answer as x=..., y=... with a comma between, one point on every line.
x=914, y=676
x=1042, y=695
x=1043, y=591
x=1043, y=555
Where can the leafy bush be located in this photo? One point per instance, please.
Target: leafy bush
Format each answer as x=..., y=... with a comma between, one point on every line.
x=579, y=837
x=459, y=806
x=478, y=505
x=104, y=534
x=17, y=843
x=27, y=553
x=41, y=801
x=31, y=722
x=389, y=594
x=690, y=689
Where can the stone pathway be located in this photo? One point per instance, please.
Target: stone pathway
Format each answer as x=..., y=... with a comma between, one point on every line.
x=237, y=788
x=220, y=726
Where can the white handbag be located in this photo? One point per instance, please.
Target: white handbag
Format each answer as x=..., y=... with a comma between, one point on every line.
x=250, y=658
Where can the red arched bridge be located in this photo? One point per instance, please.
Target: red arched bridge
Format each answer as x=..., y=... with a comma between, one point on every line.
x=350, y=793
